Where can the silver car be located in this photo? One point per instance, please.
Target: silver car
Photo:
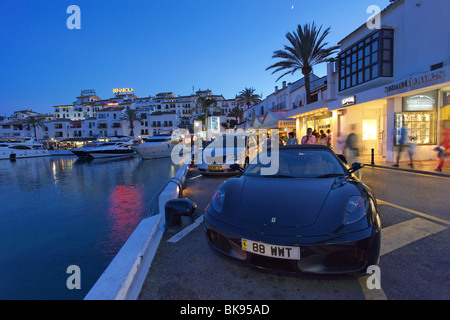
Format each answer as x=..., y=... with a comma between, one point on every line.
x=228, y=149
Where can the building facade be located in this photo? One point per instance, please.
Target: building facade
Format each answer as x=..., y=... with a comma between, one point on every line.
x=387, y=78
x=90, y=117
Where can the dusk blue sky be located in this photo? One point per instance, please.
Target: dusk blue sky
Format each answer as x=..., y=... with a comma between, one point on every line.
x=153, y=46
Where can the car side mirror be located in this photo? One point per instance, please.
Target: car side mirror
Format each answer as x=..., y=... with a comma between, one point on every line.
x=355, y=167
x=236, y=167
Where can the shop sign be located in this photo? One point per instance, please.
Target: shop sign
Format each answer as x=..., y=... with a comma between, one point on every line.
x=88, y=92
x=420, y=102
x=325, y=126
x=214, y=124
x=417, y=82
x=286, y=124
x=348, y=101
x=123, y=90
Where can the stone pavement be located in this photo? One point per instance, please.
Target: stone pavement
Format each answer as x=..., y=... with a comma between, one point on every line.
x=425, y=167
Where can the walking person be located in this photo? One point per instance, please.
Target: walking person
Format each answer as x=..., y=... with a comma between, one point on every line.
x=309, y=138
x=412, y=149
x=329, y=138
x=340, y=144
x=401, y=143
x=441, y=155
x=352, y=150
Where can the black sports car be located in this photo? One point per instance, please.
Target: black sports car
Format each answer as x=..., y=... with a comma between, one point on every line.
x=313, y=215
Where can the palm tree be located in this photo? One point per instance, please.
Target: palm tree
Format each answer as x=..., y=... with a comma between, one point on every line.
x=35, y=122
x=247, y=97
x=308, y=49
x=131, y=115
x=205, y=105
x=237, y=113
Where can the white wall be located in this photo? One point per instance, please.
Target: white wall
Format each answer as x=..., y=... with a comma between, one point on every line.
x=421, y=35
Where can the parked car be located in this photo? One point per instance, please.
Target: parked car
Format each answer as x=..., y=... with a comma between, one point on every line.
x=312, y=216
x=228, y=149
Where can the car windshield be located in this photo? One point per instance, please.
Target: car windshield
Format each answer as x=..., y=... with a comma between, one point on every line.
x=228, y=141
x=298, y=163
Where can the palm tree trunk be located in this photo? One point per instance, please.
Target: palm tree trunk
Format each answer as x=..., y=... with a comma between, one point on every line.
x=306, y=72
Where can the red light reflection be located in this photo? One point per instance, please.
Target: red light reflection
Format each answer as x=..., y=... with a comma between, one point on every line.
x=126, y=211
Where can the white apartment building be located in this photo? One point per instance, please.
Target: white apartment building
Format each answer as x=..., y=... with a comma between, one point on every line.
x=91, y=117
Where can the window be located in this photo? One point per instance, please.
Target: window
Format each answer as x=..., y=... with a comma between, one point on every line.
x=367, y=60
x=420, y=125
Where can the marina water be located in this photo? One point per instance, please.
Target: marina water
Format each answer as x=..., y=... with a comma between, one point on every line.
x=59, y=211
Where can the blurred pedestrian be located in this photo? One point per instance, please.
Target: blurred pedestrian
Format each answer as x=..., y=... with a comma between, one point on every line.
x=309, y=138
x=441, y=156
x=352, y=150
x=329, y=138
x=340, y=144
x=401, y=143
x=412, y=149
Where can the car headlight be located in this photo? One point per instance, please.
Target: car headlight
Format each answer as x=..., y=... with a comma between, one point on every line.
x=218, y=200
x=355, y=209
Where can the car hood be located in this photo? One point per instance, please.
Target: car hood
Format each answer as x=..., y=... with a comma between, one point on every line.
x=283, y=202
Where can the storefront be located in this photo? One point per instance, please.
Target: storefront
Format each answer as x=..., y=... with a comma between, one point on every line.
x=445, y=120
x=319, y=121
x=419, y=116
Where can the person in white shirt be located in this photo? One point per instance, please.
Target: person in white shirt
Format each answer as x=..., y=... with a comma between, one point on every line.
x=340, y=143
x=309, y=138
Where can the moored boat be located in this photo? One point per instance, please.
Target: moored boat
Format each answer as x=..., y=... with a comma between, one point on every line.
x=158, y=146
x=17, y=148
x=107, y=149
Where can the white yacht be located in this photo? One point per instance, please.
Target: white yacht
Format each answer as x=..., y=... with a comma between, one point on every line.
x=110, y=149
x=158, y=146
x=83, y=152
x=17, y=148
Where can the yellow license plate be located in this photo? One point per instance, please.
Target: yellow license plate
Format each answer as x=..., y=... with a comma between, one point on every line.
x=214, y=167
x=269, y=250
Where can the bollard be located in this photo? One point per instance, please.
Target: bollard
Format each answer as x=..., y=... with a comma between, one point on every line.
x=176, y=208
x=373, y=157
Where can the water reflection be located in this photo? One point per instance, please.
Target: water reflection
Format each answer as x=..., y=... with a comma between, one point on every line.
x=58, y=211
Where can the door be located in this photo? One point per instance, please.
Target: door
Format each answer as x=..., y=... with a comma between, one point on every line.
x=370, y=135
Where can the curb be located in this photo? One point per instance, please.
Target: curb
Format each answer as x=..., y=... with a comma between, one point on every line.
x=431, y=173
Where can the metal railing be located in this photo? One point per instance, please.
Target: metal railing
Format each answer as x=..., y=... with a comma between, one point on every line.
x=151, y=205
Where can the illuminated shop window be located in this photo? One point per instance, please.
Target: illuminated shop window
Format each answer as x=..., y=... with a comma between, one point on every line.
x=420, y=125
x=369, y=129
